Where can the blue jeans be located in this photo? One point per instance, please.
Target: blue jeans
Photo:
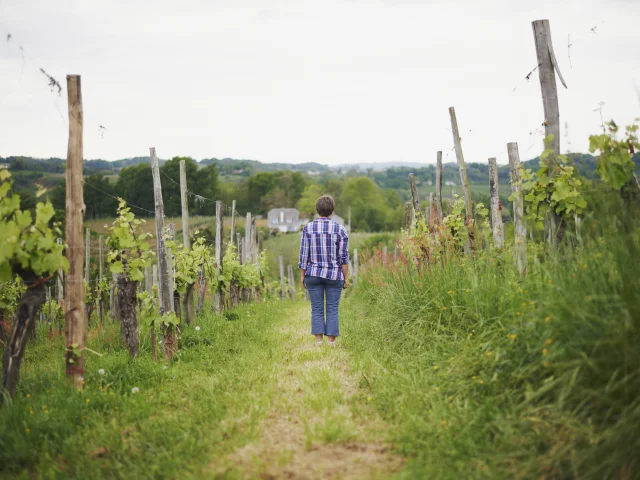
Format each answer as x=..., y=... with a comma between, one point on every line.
x=318, y=288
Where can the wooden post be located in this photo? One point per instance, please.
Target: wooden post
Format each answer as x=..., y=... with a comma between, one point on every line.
x=87, y=255
x=185, y=206
x=496, y=206
x=518, y=208
x=283, y=292
x=75, y=332
x=219, y=253
x=415, y=197
x=246, y=251
x=254, y=241
x=547, y=67
x=433, y=213
x=240, y=249
x=233, y=219
x=148, y=280
x=408, y=209
x=464, y=179
x=169, y=345
x=292, y=285
x=100, y=274
x=384, y=254
x=175, y=306
x=355, y=265
x=439, y=185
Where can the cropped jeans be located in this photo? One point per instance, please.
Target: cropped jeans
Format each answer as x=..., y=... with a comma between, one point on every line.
x=319, y=288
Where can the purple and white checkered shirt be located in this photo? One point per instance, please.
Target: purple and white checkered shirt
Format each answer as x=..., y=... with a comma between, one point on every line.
x=324, y=249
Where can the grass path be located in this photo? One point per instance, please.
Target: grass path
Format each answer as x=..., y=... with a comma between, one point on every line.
x=320, y=423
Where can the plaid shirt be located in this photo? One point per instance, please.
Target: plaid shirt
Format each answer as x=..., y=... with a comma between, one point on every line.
x=324, y=249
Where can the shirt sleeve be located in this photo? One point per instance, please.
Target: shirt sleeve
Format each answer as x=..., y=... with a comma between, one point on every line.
x=304, y=250
x=343, y=247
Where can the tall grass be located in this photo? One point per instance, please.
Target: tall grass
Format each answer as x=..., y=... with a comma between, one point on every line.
x=483, y=374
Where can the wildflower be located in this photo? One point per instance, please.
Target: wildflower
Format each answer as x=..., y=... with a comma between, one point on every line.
x=467, y=290
x=524, y=304
x=435, y=367
x=545, y=364
x=101, y=371
x=31, y=411
x=27, y=430
x=532, y=303
x=548, y=341
x=197, y=329
x=517, y=314
x=544, y=351
x=443, y=423
x=401, y=407
x=473, y=378
x=368, y=399
x=451, y=292
x=135, y=390
x=549, y=281
x=512, y=336
x=480, y=381
x=470, y=334
x=489, y=354
x=548, y=318
x=115, y=408
x=28, y=395
x=88, y=400
x=164, y=367
x=450, y=397
x=437, y=389
x=443, y=308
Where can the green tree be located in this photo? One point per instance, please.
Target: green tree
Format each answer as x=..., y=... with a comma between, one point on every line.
x=307, y=203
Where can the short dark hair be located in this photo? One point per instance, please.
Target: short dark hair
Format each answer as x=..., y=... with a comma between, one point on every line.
x=325, y=205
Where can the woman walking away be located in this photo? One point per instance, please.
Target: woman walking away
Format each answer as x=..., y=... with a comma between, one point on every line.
x=324, y=269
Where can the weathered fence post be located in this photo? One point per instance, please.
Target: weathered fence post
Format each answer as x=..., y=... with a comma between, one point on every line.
x=185, y=205
x=518, y=208
x=415, y=198
x=547, y=67
x=169, y=346
x=355, y=265
x=75, y=330
x=496, y=207
x=175, y=296
x=246, y=251
x=292, y=285
x=233, y=220
x=187, y=297
x=439, y=185
x=100, y=276
x=283, y=292
x=219, y=254
x=408, y=208
x=464, y=179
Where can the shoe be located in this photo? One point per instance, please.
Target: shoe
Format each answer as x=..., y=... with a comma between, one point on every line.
x=319, y=343
x=332, y=344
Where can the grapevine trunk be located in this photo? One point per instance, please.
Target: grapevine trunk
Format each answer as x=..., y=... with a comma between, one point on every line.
x=127, y=312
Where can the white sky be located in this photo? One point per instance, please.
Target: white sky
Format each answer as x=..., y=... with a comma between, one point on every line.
x=332, y=81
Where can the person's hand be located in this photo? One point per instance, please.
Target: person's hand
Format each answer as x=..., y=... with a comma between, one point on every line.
x=302, y=281
x=346, y=283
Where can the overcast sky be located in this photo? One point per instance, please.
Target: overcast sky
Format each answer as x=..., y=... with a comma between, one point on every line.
x=330, y=81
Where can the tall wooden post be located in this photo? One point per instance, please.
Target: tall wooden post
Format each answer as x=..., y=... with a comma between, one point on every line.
x=432, y=217
x=185, y=206
x=247, y=239
x=415, y=197
x=496, y=207
x=439, y=185
x=169, y=345
x=148, y=280
x=292, y=284
x=233, y=219
x=175, y=306
x=219, y=253
x=518, y=208
x=464, y=179
x=283, y=292
x=240, y=249
x=87, y=255
x=75, y=332
x=100, y=273
x=355, y=265
x=384, y=254
x=547, y=67
x=408, y=214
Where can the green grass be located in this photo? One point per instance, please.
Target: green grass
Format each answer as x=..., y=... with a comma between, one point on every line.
x=483, y=375
x=208, y=401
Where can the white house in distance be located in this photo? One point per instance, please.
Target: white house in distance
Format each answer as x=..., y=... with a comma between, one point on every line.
x=284, y=219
